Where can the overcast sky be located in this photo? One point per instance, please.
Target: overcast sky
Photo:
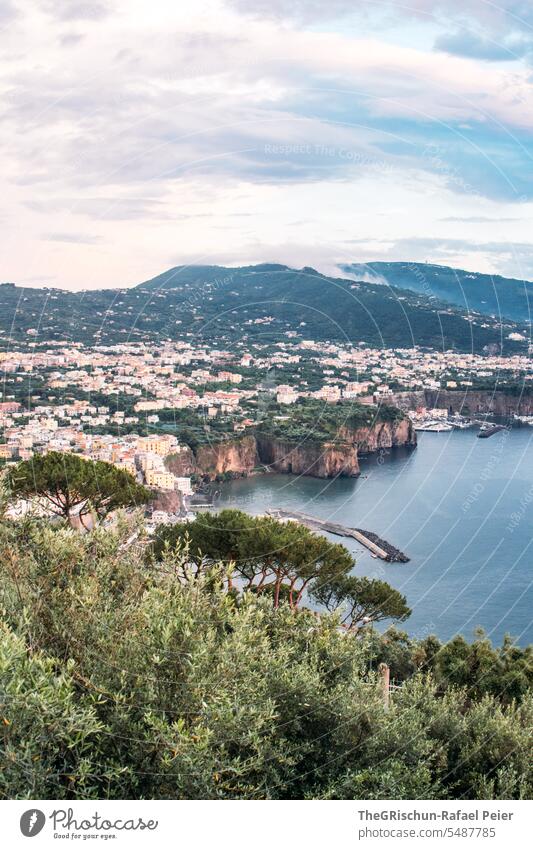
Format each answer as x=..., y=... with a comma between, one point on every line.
x=136, y=136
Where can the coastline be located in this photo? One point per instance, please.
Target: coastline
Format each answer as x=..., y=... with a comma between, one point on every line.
x=449, y=506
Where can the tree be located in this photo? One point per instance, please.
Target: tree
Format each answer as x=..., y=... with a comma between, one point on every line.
x=119, y=681
x=284, y=560
x=264, y=555
x=362, y=600
x=481, y=668
x=69, y=485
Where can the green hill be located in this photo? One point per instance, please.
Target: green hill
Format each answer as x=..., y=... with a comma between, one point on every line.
x=257, y=302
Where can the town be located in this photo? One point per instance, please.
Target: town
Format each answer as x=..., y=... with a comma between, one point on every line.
x=134, y=406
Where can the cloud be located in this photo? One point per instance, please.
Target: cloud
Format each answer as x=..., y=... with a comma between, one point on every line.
x=72, y=238
x=77, y=10
x=512, y=259
x=470, y=44
x=8, y=12
x=477, y=219
x=313, y=106
x=71, y=38
x=102, y=208
x=504, y=15
x=170, y=125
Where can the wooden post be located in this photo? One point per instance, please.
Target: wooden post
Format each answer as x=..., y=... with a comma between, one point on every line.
x=384, y=673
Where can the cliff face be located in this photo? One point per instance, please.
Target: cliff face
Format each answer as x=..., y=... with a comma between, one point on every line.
x=329, y=459
x=169, y=500
x=471, y=402
x=182, y=464
x=382, y=435
x=324, y=460
x=238, y=455
x=468, y=402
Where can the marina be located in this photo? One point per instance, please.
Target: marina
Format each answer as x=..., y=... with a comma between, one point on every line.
x=438, y=421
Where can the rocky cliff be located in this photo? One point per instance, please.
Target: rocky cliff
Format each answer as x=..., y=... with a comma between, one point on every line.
x=329, y=459
x=171, y=501
x=382, y=435
x=237, y=455
x=324, y=460
x=321, y=460
x=468, y=402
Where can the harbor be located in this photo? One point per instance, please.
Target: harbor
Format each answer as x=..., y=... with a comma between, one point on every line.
x=377, y=546
x=439, y=421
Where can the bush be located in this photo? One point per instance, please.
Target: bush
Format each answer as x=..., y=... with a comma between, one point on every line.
x=123, y=678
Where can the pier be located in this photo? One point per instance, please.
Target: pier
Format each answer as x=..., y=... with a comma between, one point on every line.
x=377, y=546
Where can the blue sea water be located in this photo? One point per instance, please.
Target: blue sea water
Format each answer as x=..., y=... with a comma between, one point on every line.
x=460, y=507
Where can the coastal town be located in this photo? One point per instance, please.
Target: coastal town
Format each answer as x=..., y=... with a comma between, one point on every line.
x=134, y=406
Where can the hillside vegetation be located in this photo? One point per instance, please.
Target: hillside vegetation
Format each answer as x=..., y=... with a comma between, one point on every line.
x=490, y=294
x=313, y=421
x=124, y=677
x=257, y=302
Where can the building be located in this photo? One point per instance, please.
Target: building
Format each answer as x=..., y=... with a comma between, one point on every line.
x=160, y=479
x=229, y=376
x=184, y=485
x=288, y=397
x=161, y=444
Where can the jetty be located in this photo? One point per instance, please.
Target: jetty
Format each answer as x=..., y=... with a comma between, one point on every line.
x=490, y=430
x=377, y=546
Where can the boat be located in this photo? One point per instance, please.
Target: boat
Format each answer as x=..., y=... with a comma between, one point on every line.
x=460, y=422
x=487, y=430
x=433, y=427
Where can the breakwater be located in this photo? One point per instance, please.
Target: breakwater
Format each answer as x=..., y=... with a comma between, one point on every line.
x=377, y=546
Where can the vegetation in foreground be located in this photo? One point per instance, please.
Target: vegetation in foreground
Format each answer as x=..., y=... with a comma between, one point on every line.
x=126, y=677
x=282, y=560
x=68, y=485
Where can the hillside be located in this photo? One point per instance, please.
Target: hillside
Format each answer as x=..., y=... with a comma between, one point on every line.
x=485, y=293
x=257, y=302
x=123, y=679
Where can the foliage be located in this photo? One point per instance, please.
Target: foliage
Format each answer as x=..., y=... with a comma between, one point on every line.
x=282, y=559
x=120, y=678
x=48, y=732
x=487, y=293
x=361, y=600
x=69, y=485
x=217, y=303
x=315, y=421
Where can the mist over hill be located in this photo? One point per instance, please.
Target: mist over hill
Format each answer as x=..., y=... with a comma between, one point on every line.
x=490, y=294
x=263, y=302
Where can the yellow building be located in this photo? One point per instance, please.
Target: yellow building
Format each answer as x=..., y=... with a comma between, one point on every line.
x=157, y=444
x=160, y=479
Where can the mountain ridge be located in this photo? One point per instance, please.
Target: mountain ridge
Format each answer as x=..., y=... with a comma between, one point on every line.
x=266, y=301
x=490, y=294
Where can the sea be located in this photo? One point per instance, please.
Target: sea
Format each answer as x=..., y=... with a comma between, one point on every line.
x=460, y=507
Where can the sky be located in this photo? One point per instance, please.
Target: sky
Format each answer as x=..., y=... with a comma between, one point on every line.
x=138, y=136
